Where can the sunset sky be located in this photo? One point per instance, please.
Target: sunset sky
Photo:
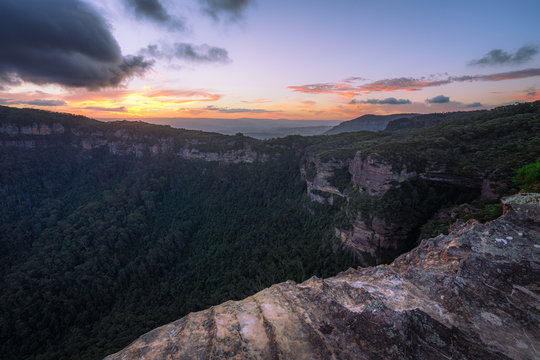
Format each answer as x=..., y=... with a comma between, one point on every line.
x=309, y=59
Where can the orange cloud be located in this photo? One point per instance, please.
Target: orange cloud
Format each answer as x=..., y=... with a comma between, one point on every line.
x=347, y=90
x=146, y=102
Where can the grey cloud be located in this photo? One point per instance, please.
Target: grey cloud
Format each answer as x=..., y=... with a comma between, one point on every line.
x=36, y=102
x=441, y=99
x=501, y=57
x=409, y=84
x=473, y=105
x=154, y=11
x=351, y=79
x=237, y=110
x=531, y=94
x=110, y=109
x=387, y=101
x=188, y=52
x=61, y=41
x=231, y=9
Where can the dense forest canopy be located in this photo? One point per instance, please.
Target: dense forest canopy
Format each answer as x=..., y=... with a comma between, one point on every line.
x=96, y=249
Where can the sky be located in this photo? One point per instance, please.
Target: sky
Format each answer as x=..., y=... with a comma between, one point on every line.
x=294, y=59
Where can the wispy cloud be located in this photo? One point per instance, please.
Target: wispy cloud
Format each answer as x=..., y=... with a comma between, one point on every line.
x=407, y=83
x=387, y=101
x=35, y=102
x=256, y=101
x=473, y=105
x=188, y=52
x=351, y=79
x=107, y=109
x=173, y=96
x=238, y=110
x=441, y=99
x=501, y=57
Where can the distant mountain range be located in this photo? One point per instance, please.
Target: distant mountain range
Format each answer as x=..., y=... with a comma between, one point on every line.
x=256, y=128
x=367, y=122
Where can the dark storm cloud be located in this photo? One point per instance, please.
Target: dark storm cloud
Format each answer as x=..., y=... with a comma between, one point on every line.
x=61, y=41
x=441, y=99
x=387, y=101
x=154, y=11
x=36, y=102
x=231, y=9
x=188, y=52
x=473, y=105
x=501, y=57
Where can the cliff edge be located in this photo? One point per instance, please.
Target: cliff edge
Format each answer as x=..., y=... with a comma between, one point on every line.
x=474, y=293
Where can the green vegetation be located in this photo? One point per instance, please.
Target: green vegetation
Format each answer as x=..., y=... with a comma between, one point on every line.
x=440, y=223
x=477, y=144
x=404, y=208
x=528, y=177
x=341, y=178
x=97, y=249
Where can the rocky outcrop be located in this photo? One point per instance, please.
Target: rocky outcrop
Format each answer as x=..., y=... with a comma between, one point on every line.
x=317, y=175
x=34, y=129
x=472, y=294
x=374, y=243
x=375, y=176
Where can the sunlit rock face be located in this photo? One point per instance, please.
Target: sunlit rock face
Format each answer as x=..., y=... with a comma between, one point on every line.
x=471, y=294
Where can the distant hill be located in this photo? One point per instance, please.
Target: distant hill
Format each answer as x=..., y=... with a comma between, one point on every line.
x=428, y=120
x=367, y=122
x=257, y=128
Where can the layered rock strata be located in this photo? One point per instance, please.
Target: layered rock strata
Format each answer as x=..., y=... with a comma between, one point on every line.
x=122, y=142
x=474, y=294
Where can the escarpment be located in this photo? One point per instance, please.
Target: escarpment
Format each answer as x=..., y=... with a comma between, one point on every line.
x=376, y=233
x=40, y=129
x=471, y=294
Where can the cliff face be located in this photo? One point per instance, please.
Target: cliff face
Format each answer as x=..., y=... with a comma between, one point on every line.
x=372, y=243
x=372, y=176
x=121, y=141
x=375, y=176
x=317, y=175
x=471, y=294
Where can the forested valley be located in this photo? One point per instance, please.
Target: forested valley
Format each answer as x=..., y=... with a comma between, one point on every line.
x=97, y=247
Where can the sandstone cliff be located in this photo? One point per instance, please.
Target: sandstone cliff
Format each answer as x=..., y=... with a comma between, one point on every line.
x=122, y=138
x=474, y=293
x=372, y=175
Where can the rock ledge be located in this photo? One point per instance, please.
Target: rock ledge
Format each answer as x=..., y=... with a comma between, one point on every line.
x=474, y=293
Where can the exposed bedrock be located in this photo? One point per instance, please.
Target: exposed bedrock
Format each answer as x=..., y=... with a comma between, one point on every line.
x=474, y=294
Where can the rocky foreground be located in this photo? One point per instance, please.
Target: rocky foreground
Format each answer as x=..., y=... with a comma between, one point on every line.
x=473, y=294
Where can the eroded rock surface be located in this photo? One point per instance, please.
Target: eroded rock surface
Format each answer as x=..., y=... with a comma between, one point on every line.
x=121, y=142
x=474, y=294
